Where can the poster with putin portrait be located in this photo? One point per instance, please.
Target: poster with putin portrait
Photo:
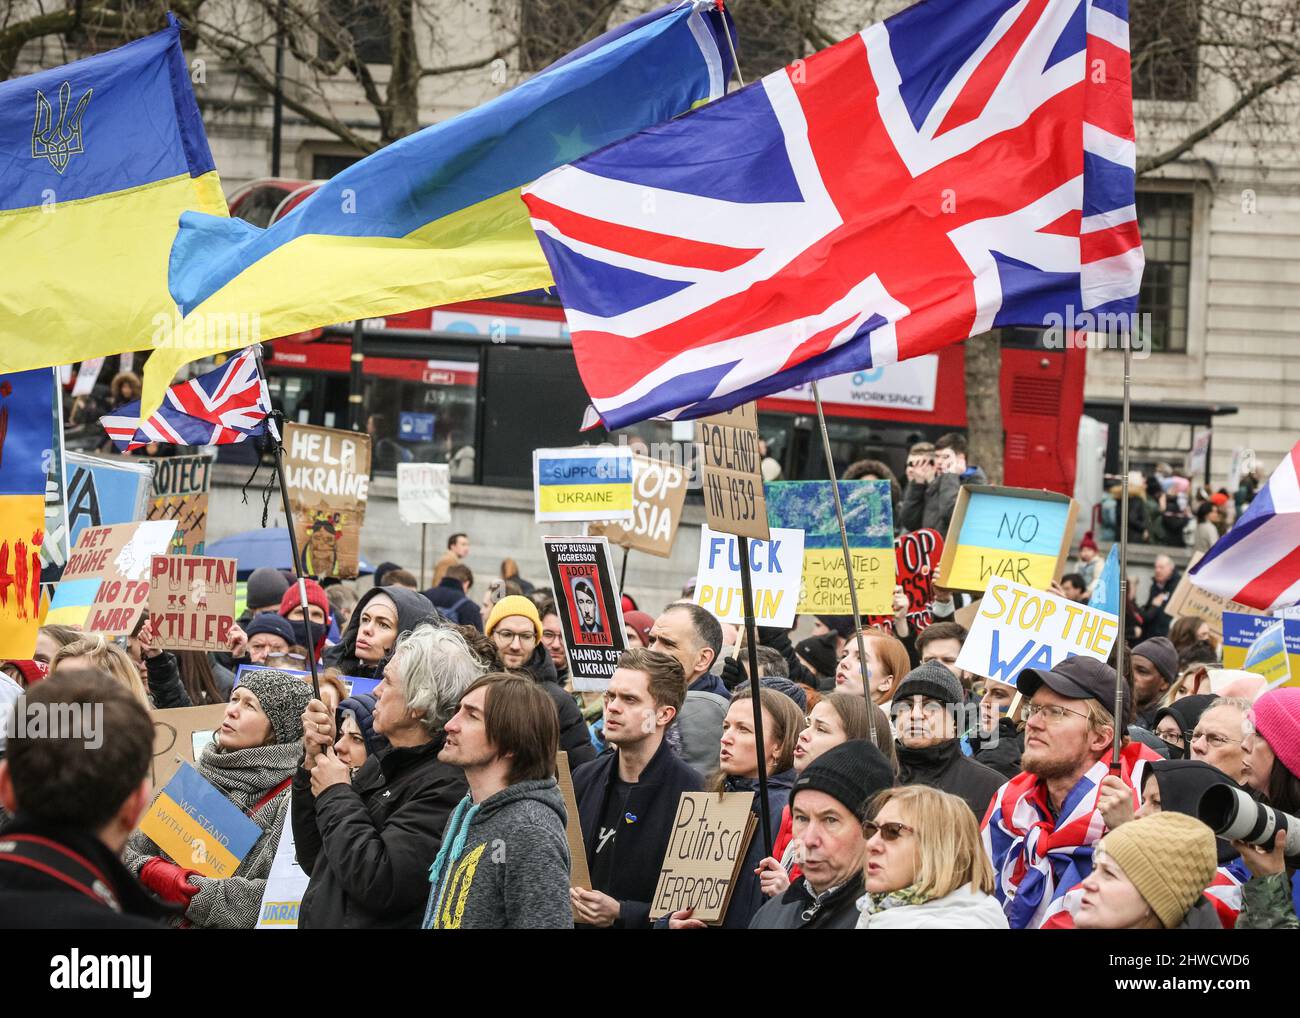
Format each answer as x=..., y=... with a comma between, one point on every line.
x=582, y=575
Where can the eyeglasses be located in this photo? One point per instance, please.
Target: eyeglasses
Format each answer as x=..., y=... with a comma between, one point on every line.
x=550, y=636
x=505, y=637
x=1179, y=739
x=891, y=831
x=1214, y=738
x=1051, y=713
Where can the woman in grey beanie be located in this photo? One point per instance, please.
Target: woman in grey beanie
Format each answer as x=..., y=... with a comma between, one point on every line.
x=251, y=760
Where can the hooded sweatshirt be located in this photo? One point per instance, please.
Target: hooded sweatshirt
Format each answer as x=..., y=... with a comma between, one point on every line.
x=503, y=863
x=413, y=608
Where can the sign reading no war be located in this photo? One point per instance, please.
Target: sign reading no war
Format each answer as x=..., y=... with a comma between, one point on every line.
x=1006, y=533
x=775, y=567
x=1018, y=627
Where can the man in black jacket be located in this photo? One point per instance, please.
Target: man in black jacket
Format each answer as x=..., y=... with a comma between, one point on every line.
x=76, y=796
x=828, y=803
x=367, y=839
x=1164, y=581
x=627, y=799
x=926, y=709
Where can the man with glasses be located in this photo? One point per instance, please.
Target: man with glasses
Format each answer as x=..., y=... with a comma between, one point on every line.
x=553, y=640
x=1043, y=823
x=1175, y=723
x=1218, y=735
x=515, y=629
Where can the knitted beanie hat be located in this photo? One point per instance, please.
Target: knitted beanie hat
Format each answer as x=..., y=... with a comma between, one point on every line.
x=283, y=698
x=269, y=622
x=513, y=604
x=265, y=587
x=1160, y=651
x=1169, y=857
x=851, y=773
x=1276, y=716
x=933, y=681
x=315, y=595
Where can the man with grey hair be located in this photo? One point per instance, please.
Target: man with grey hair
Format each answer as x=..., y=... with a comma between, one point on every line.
x=367, y=839
x=690, y=634
x=1164, y=580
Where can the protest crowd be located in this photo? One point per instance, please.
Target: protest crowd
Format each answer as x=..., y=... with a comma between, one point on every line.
x=1000, y=736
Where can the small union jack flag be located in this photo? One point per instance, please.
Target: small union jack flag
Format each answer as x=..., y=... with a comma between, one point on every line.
x=965, y=165
x=222, y=407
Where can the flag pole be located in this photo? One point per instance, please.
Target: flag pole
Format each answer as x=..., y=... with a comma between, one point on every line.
x=848, y=559
x=277, y=448
x=751, y=638
x=1120, y=649
x=622, y=571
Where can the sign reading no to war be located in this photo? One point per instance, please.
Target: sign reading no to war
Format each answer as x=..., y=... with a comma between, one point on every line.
x=776, y=568
x=585, y=483
x=1018, y=627
x=1016, y=534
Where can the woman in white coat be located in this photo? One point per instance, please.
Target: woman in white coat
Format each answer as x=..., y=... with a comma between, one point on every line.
x=926, y=868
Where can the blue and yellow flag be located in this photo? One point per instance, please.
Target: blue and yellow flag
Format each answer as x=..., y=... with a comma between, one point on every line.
x=436, y=217
x=101, y=158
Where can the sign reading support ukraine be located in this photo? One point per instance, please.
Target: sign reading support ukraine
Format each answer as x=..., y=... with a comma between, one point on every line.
x=198, y=827
x=587, y=483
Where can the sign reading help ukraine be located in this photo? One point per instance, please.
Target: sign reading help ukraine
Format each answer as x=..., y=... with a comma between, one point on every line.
x=1018, y=627
x=775, y=566
x=586, y=483
x=868, y=516
x=198, y=827
x=1263, y=644
x=1014, y=534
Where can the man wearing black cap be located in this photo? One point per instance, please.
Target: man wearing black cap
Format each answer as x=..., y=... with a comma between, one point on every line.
x=828, y=804
x=1043, y=823
x=926, y=708
x=1155, y=667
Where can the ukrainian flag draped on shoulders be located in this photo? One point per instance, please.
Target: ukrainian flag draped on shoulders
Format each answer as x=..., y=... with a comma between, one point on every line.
x=101, y=158
x=437, y=217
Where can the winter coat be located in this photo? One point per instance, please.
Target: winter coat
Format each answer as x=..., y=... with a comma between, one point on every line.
x=945, y=767
x=244, y=776
x=368, y=845
x=449, y=598
x=1201, y=916
x=165, y=687
x=1002, y=754
x=35, y=899
x=931, y=505
x=575, y=736
x=799, y=909
x=1154, y=620
x=413, y=608
x=639, y=847
x=697, y=734
x=504, y=863
x=747, y=898
x=1266, y=904
x=964, y=909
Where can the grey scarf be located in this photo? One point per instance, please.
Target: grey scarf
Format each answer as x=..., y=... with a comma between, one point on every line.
x=245, y=775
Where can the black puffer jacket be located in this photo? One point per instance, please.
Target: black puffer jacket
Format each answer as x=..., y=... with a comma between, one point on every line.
x=797, y=909
x=575, y=737
x=1003, y=753
x=368, y=845
x=945, y=767
x=413, y=608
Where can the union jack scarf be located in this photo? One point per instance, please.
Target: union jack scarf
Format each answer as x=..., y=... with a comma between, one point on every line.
x=1224, y=893
x=1037, y=858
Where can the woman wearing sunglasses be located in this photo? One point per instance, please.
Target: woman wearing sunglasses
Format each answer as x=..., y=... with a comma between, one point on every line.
x=926, y=868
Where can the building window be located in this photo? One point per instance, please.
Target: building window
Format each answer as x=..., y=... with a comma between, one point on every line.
x=364, y=22
x=1163, y=40
x=326, y=165
x=1166, y=223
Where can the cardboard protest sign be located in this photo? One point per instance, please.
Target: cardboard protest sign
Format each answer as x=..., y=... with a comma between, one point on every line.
x=180, y=493
x=1014, y=534
x=706, y=848
x=731, y=472
x=330, y=541
x=1189, y=599
x=586, y=483
x=424, y=492
x=582, y=575
x=1263, y=644
x=326, y=467
x=1018, y=627
x=118, y=607
x=179, y=734
x=22, y=519
x=102, y=492
x=285, y=886
x=916, y=560
x=192, y=601
x=658, y=495
x=578, y=873
x=121, y=552
x=198, y=827
x=869, y=518
x=776, y=570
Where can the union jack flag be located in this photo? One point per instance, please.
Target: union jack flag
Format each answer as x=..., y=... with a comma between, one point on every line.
x=222, y=407
x=964, y=165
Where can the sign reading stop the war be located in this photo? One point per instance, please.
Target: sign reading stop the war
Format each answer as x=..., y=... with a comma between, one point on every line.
x=192, y=601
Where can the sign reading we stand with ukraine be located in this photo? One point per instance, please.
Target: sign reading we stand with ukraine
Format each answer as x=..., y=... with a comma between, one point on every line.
x=198, y=827
x=584, y=483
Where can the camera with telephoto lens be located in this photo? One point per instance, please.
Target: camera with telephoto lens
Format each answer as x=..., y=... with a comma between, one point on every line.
x=1234, y=815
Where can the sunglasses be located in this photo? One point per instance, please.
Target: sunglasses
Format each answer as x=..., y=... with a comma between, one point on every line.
x=891, y=831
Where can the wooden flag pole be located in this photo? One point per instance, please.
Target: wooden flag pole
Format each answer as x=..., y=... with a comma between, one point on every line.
x=848, y=561
x=751, y=638
x=277, y=448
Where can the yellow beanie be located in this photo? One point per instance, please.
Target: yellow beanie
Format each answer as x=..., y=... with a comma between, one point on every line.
x=1169, y=857
x=514, y=604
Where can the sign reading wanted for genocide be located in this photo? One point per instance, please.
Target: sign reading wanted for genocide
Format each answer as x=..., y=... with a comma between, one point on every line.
x=582, y=576
x=706, y=848
x=585, y=483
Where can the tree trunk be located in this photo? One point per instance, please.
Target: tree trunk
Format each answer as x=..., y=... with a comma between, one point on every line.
x=984, y=435
x=404, y=82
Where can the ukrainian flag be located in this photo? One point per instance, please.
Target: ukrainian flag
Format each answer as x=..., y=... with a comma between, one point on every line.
x=101, y=158
x=436, y=217
x=1267, y=655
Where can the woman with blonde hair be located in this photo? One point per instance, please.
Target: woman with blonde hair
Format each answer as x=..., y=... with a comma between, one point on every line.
x=926, y=866
x=887, y=663
x=100, y=654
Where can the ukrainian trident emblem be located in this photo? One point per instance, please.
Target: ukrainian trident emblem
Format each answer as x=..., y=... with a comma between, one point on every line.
x=58, y=142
